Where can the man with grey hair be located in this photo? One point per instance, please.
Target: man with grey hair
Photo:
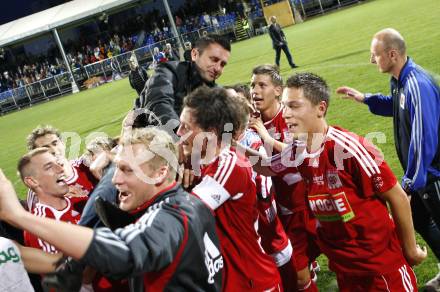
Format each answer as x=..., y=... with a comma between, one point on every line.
x=170, y=53
x=414, y=104
x=279, y=42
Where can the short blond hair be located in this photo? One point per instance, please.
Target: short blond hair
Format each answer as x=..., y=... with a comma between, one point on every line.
x=23, y=164
x=391, y=39
x=159, y=142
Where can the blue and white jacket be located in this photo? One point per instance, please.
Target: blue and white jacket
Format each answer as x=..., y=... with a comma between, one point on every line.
x=414, y=105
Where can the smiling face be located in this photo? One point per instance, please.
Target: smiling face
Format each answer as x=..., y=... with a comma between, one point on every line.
x=264, y=92
x=300, y=114
x=211, y=61
x=46, y=175
x=132, y=175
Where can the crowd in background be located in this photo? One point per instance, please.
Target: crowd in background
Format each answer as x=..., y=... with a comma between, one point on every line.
x=115, y=39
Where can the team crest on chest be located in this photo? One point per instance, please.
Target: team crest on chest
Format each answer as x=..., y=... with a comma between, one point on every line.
x=333, y=180
x=278, y=166
x=377, y=183
x=318, y=180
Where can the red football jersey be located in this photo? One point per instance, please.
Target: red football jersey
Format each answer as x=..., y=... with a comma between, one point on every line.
x=68, y=214
x=82, y=178
x=274, y=239
x=227, y=187
x=355, y=230
x=289, y=189
x=81, y=182
x=278, y=129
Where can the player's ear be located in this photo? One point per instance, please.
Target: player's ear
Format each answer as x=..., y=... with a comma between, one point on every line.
x=393, y=54
x=279, y=91
x=161, y=174
x=30, y=182
x=322, y=109
x=194, y=54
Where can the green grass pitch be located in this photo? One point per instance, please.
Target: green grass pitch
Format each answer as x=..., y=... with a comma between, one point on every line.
x=335, y=46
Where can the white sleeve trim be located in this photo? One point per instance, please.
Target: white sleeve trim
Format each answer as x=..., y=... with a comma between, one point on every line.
x=211, y=192
x=283, y=256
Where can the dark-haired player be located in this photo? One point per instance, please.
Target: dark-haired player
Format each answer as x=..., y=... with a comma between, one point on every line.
x=348, y=188
x=226, y=186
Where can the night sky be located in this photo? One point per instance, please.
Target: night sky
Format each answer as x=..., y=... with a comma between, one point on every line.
x=21, y=8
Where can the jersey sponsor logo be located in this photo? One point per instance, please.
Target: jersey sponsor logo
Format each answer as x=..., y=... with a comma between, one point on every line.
x=9, y=255
x=318, y=180
x=331, y=207
x=213, y=258
x=333, y=180
x=402, y=101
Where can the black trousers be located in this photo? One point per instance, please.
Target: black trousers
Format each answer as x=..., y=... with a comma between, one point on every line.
x=425, y=207
x=285, y=48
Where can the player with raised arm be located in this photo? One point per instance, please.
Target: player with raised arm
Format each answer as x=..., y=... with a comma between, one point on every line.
x=77, y=175
x=172, y=245
x=349, y=186
x=300, y=226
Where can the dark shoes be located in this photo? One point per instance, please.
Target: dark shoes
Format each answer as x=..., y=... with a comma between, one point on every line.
x=293, y=66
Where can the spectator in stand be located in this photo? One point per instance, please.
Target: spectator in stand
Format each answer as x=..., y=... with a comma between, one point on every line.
x=187, y=53
x=138, y=75
x=170, y=53
x=158, y=57
x=214, y=21
x=178, y=22
x=116, y=71
x=96, y=54
x=206, y=19
x=90, y=53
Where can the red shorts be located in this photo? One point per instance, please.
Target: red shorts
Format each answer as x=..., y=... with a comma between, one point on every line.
x=402, y=279
x=301, y=230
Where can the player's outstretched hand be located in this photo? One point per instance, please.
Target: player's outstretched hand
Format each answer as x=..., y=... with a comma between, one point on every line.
x=9, y=204
x=258, y=125
x=101, y=162
x=417, y=257
x=350, y=93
